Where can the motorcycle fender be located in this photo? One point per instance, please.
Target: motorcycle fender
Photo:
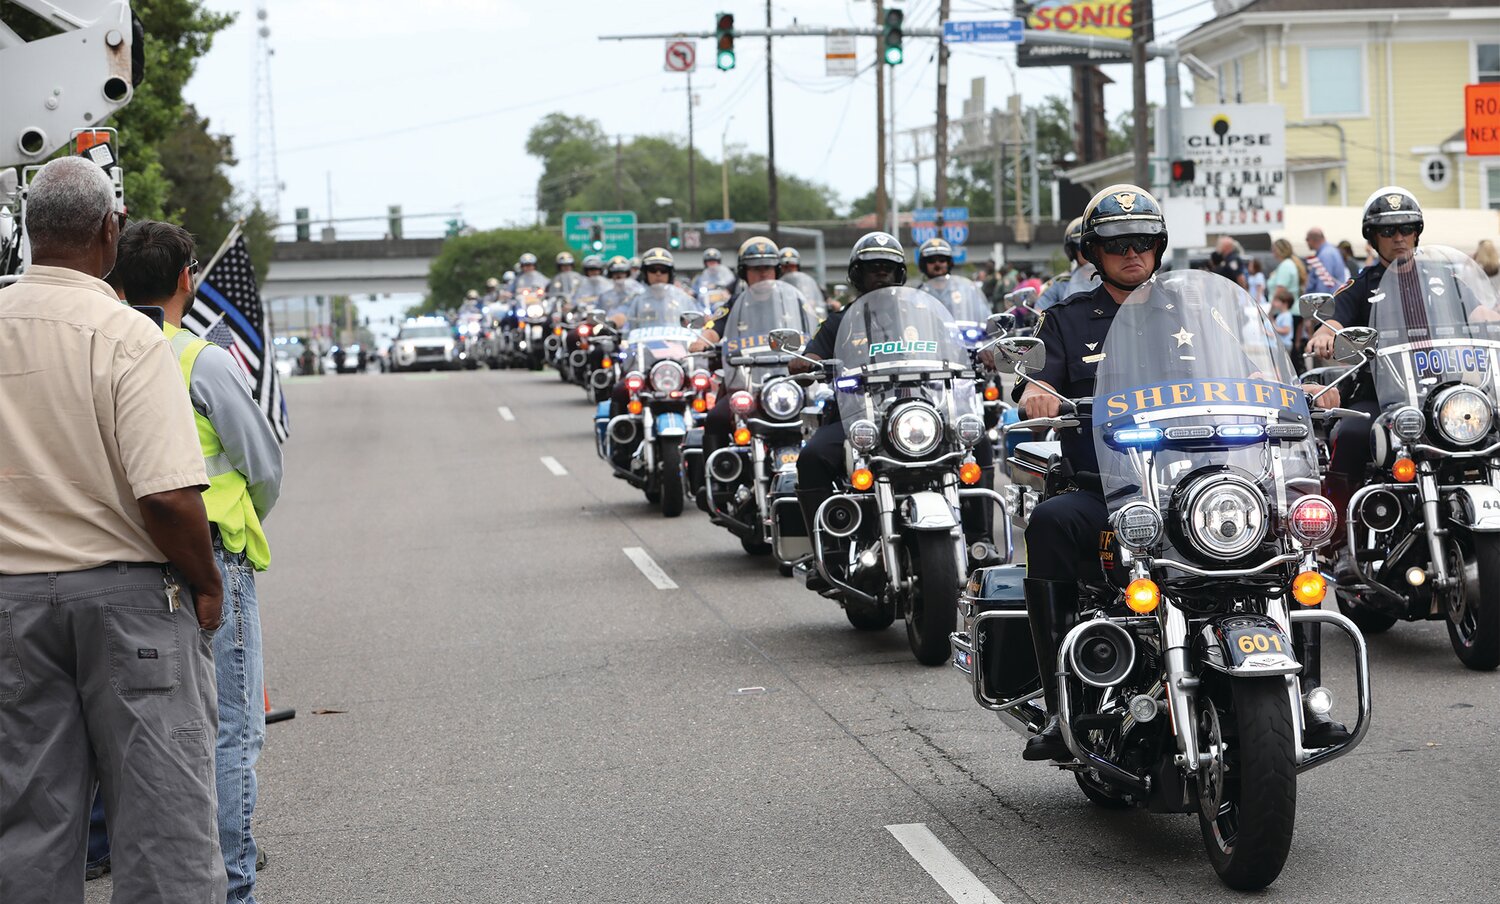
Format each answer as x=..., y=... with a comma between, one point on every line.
x=693, y=439
x=784, y=483
x=927, y=510
x=1478, y=507
x=1246, y=645
x=671, y=423
x=785, y=458
x=601, y=413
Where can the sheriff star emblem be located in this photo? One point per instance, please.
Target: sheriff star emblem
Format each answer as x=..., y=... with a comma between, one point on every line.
x=1394, y=200
x=1183, y=337
x=1126, y=200
x=880, y=240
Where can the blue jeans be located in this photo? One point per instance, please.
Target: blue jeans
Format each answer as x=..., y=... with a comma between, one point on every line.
x=242, y=720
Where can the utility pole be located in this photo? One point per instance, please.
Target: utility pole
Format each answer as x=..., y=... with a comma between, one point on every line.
x=940, y=181
x=881, y=199
x=1140, y=15
x=692, y=182
x=724, y=167
x=895, y=192
x=772, y=214
x=619, y=160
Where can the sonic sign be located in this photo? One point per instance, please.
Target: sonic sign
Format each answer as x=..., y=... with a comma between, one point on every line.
x=1100, y=18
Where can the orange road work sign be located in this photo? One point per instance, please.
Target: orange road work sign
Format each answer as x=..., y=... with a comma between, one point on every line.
x=1482, y=118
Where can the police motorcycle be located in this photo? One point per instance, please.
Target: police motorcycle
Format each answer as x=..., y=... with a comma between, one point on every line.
x=890, y=544
x=1424, y=528
x=1180, y=686
x=803, y=283
x=569, y=349
x=644, y=441
x=524, y=332
x=713, y=286
x=746, y=481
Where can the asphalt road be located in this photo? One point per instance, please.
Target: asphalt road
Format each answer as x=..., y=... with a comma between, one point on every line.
x=496, y=704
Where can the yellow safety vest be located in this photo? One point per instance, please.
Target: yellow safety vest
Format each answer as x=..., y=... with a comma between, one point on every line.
x=227, y=498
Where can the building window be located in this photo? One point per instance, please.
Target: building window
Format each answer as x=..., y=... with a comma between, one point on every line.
x=1487, y=62
x=1335, y=81
x=1492, y=187
x=1435, y=172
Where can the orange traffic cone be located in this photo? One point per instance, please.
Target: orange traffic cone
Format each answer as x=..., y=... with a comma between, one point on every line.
x=276, y=715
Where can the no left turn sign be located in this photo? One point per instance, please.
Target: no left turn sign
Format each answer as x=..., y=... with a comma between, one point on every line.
x=682, y=56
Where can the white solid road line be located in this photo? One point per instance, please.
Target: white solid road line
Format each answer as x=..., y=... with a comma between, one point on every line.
x=955, y=878
x=506, y=414
x=649, y=568
x=554, y=465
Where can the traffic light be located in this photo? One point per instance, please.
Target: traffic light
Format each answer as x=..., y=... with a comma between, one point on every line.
x=393, y=220
x=596, y=236
x=724, y=31
x=892, y=36
x=674, y=233
x=1183, y=171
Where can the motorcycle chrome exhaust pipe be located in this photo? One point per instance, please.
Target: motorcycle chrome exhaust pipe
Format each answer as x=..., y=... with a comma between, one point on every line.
x=623, y=430
x=841, y=517
x=727, y=465
x=1104, y=654
x=601, y=379
x=552, y=344
x=579, y=358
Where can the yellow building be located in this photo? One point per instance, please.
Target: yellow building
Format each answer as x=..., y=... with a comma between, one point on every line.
x=1373, y=92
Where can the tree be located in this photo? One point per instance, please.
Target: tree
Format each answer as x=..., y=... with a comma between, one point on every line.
x=573, y=149
x=467, y=261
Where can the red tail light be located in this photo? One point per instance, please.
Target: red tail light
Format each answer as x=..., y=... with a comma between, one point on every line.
x=635, y=382
x=742, y=403
x=702, y=381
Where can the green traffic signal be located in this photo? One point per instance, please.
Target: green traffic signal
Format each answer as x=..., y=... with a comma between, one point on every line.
x=893, y=56
x=724, y=32
x=726, y=60
x=892, y=37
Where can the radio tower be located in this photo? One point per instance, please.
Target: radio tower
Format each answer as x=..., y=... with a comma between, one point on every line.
x=267, y=187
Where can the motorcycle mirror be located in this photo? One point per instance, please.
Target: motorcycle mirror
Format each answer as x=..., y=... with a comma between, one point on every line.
x=1319, y=303
x=786, y=340
x=693, y=320
x=1024, y=297
x=1024, y=355
x=1000, y=324
x=1351, y=343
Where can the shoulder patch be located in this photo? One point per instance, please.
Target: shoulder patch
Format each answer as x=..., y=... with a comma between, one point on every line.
x=1347, y=283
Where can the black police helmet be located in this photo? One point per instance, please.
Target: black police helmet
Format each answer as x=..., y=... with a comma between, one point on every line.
x=1121, y=210
x=757, y=251
x=1072, y=238
x=659, y=257
x=872, y=248
x=932, y=249
x=1390, y=206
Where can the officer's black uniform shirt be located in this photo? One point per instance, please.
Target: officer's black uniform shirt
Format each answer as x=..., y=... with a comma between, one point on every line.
x=1073, y=332
x=1351, y=307
x=822, y=346
x=1231, y=267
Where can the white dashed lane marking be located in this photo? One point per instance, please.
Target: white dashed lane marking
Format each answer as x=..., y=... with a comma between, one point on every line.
x=649, y=568
x=955, y=878
x=506, y=414
x=554, y=465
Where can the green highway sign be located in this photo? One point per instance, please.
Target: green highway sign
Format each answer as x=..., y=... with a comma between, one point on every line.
x=619, y=232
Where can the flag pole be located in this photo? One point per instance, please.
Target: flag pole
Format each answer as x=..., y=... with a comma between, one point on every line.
x=234, y=233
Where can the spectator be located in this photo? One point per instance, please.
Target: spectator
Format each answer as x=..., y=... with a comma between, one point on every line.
x=1351, y=263
x=107, y=574
x=1227, y=261
x=1488, y=260
x=1255, y=281
x=1326, y=270
x=1281, y=318
x=1291, y=274
x=156, y=266
x=1032, y=281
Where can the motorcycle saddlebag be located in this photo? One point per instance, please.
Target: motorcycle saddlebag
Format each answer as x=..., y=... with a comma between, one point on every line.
x=1007, y=659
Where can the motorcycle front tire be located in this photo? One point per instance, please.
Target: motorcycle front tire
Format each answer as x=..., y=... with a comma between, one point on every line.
x=934, y=607
x=1477, y=641
x=671, y=479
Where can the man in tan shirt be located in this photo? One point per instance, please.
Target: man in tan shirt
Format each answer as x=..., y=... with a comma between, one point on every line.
x=109, y=594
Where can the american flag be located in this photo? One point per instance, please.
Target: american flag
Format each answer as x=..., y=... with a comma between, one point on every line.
x=228, y=312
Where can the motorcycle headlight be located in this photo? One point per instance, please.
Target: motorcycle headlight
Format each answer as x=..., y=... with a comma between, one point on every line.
x=535, y=310
x=1225, y=516
x=781, y=399
x=667, y=376
x=1463, y=415
x=1408, y=423
x=1138, y=526
x=970, y=430
x=915, y=430
x=862, y=435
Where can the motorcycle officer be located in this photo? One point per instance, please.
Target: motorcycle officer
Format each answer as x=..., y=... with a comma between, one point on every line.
x=622, y=287
x=1081, y=275
x=934, y=259
x=491, y=292
x=1124, y=236
x=566, y=280
x=714, y=273
x=660, y=269
x=758, y=261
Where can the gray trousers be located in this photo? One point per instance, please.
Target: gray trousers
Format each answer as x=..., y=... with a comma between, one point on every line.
x=99, y=678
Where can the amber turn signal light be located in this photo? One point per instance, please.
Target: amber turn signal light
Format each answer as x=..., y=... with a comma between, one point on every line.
x=700, y=406
x=1404, y=470
x=991, y=393
x=1309, y=587
x=1142, y=595
x=862, y=479
x=742, y=436
x=970, y=473
x=634, y=407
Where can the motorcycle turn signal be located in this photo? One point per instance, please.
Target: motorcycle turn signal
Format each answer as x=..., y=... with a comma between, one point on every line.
x=1142, y=596
x=1309, y=587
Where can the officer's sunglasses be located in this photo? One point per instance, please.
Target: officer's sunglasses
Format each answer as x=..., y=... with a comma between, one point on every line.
x=1386, y=232
x=657, y=270
x=1124, y=244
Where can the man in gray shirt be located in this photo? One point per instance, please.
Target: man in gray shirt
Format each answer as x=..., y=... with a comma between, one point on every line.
x=243, y=460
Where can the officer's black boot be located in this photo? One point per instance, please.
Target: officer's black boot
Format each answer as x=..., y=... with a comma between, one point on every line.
x=809, y=499
x=1319, y=729
x=1052, y=609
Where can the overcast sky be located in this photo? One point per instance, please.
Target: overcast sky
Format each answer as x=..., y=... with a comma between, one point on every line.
x=428, y=104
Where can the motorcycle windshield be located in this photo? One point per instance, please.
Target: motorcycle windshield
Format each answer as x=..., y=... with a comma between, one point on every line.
x=714, y=276
x=964, y=299
x=590, y=290
x=563, y=284
x=899, y=342
x=766, y=306
x=531, y=280
x=807, y=286
x=1438, y=323
x=1192, y=376
x=657, y=307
